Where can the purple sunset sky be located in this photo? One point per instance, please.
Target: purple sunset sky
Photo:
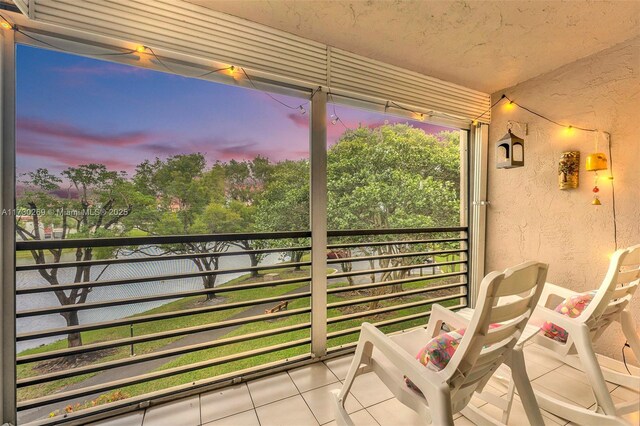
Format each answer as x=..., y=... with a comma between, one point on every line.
x=74, y=110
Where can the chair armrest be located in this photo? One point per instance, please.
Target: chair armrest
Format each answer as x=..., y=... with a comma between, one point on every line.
x=542, y=314
x=426, y=380
x=440, y=314
x=554, y=290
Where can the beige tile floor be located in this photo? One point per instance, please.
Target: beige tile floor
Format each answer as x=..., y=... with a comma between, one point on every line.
x=301, y=397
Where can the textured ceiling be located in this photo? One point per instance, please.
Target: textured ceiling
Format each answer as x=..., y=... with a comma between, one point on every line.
x=484, y=45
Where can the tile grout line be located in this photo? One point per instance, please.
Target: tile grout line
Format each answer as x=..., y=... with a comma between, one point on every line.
x=231, y=415
x=253, y=404
x=371, y=414
x=305, y=401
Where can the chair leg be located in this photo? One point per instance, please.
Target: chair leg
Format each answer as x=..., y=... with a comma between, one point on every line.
x=363, y=350
x=510, y=395
x=523, y=384
x=629, y=330
x=440, y=407
x=587, y=356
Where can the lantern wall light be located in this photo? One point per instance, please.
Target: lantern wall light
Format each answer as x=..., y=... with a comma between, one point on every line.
x=509, y=151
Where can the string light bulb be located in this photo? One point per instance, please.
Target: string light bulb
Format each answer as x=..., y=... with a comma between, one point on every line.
x=232, y=70
x=302, y=110
x=141, y=49
x=474, y=122
x=568, y=130
x=509, y=105
x=6, y=25
x=334, y=119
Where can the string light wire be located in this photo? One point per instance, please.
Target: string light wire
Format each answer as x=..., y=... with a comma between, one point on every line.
x=144, y=49
x=475, y=120
x=300, y=107
x=567, y=126
x=613, y=193
x=335, y=114
x=624, y=358
x=230, y=68
x=53, y=46
x=420, y=114
x=584, y=129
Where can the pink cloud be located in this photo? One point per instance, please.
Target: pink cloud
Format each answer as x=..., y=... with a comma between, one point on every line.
x=299, y=119
x=69, y=157
x=76, y=135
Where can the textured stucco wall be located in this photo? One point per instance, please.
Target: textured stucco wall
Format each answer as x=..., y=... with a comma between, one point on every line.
x=529, y=217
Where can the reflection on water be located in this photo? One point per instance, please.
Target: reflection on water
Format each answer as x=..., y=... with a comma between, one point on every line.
x=125, y=291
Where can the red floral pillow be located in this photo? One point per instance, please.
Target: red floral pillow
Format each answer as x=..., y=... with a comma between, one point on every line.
x=572, y=307
x=438, y=352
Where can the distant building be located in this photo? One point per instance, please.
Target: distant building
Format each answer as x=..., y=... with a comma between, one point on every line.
x=46, y=232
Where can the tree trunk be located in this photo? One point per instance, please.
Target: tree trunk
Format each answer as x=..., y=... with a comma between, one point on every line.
x=209, y=282
x=296, y=256
x=73, y=339
x=348, y=267
x=254, y=263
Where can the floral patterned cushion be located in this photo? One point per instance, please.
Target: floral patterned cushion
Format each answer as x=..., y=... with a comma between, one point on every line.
x=571, y=307
x=438, y=352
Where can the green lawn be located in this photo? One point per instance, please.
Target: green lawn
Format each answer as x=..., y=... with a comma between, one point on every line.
x=28, y=370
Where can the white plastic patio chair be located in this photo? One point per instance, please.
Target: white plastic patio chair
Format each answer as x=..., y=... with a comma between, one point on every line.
x=480, y=352
x=610, y=304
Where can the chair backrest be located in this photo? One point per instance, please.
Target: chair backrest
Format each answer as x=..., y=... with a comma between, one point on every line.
x=615, y=293
x=485, y=345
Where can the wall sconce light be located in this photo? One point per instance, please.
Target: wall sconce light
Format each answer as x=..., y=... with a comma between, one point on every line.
x=509, y=151
x=568, y=170
x=596, y=161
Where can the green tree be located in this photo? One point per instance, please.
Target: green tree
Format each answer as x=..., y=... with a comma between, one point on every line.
x=284, y=203
x=393, y=176
x=103, y=204
x=192, y=200
x=244, y=184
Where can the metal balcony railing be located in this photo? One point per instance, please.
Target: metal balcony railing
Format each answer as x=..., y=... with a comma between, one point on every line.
x=170, y=338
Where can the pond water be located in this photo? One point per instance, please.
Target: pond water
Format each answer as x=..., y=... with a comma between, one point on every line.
x=118, y=271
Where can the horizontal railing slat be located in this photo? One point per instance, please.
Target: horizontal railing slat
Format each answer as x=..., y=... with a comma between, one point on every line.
x=137, y=280
x=155, y=240
x=347, y=317
x=394, y=255
x=404, y=293
x=201, y=238
x=393, y=231
x=405, y=318
x=394, y=242
x=155, y=375
x=151, y=317
x=153, y=258
x=377, y=284
x=394, y=268
x=127, y=341
x=59, y=375
x=133, y=300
